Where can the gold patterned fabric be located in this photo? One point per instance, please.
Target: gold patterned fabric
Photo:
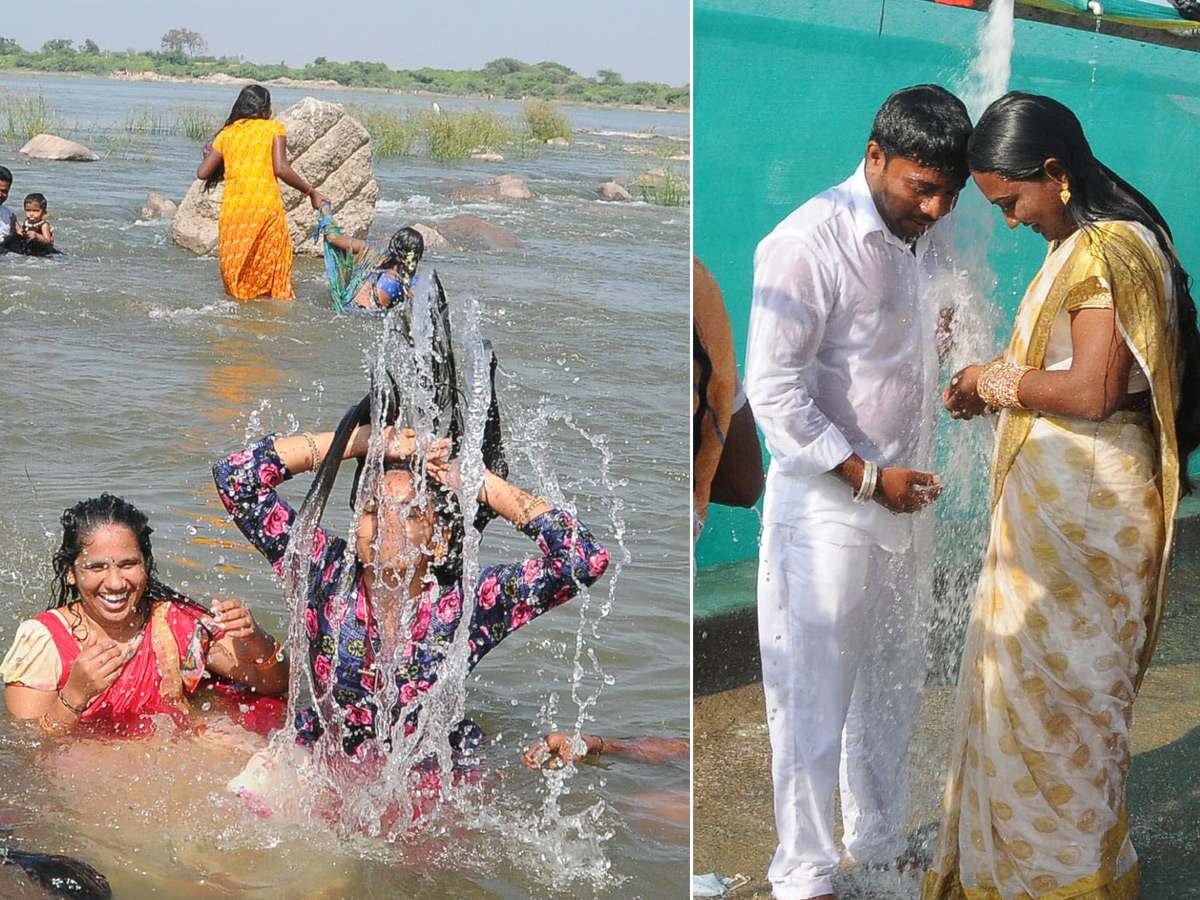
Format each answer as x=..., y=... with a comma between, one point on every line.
x=256, y=249
x=1067, y=608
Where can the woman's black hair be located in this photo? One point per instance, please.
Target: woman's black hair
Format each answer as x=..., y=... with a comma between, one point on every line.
x=82, y=520
x=447, y=397
x=405, y=249
x=1015, y=137
x=254, y=102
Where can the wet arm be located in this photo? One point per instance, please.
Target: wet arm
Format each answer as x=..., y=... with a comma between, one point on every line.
x=213, y=160
x=1095, y=385
x=289, y=176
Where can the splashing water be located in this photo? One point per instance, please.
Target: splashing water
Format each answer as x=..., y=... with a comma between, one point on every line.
x=411, y=776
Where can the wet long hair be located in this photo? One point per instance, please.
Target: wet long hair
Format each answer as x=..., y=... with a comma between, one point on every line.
x=254, y=102
x=80, y=522
x=927, y=124
x=404, y=251
x=1014, y=138
x=448, y=398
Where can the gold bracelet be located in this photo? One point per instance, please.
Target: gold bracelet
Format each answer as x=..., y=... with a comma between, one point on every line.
x=312, y=448
x=998, y=383
x=271, y=658
x=49, y=727
x=522, y=519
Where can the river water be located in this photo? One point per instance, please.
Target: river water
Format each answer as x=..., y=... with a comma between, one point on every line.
x=127, y=370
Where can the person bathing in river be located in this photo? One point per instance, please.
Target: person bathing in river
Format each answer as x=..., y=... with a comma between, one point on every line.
x=250, y=154
x=390, y=280
x=39, y=234
x=401, y=585
x=116, y=646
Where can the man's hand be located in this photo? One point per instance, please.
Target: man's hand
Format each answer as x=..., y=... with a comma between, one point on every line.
x=906, y=490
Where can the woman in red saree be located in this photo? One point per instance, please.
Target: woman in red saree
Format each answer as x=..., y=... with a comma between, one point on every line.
x=117, y=647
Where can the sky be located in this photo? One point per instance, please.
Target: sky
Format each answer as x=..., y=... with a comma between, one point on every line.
x=643, y=40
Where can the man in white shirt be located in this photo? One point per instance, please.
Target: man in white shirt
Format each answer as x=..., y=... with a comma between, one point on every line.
x=841, y=370
x=9, y=228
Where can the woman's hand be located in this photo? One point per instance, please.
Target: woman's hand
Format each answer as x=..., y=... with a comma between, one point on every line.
x=230, y=618
x=96, y=667
x=961, y=396
x=316, y=198
x=556, y=749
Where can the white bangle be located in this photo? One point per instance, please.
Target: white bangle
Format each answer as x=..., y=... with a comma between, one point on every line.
x=866, y=487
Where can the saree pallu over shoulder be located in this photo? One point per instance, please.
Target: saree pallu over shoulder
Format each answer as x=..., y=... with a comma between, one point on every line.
x=1125, y=258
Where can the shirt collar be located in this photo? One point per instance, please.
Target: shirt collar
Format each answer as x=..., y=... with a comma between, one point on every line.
x=866, y=215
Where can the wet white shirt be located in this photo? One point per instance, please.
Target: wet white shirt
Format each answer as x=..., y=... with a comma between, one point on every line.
x=6, y=222
x=841, y=358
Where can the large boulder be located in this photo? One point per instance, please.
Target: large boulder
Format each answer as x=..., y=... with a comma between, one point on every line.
x=476, y=233
x=502, y=187
x=330, y=150
x=49, y=146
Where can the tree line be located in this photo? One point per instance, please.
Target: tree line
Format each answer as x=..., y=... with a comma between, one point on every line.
x=182, y=50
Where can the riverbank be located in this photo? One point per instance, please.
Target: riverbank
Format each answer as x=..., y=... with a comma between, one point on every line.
x=221, y=78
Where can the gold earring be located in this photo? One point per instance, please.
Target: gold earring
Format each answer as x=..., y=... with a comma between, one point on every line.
x=1065, y=195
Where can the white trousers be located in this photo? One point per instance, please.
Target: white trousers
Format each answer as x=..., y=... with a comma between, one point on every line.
x=842, y=630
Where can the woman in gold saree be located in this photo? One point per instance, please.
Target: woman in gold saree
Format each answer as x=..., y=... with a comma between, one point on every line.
x=1097, y=401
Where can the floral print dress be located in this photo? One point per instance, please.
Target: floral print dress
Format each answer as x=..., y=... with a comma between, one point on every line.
x=506, y=597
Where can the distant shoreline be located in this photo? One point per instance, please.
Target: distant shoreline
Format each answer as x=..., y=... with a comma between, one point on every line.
x=220, y=79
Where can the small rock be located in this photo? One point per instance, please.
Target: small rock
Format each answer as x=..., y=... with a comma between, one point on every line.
x=158, y=206
x=476, y=232
x=48, y=146
x=488, y=157
x=502, y=187
x=432, y=237
x=558, y=142
x=610, y=190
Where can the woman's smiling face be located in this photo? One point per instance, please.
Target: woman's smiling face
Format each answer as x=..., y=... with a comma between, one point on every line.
x=110, y=574
x=1036, y=203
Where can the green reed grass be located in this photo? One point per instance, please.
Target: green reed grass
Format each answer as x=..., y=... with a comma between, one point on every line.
x=198, y=122
x=664, y=187
x=148, y=120
x=392, y=133
x=22, y=116
x=544, y=122
x=454, y=136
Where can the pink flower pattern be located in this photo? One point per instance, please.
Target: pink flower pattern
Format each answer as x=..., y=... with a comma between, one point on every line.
x=507, y=597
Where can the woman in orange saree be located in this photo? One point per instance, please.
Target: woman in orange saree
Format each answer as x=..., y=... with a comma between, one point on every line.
x=250, y=153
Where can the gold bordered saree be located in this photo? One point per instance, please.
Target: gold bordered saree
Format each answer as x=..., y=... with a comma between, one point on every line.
x=1068, y=606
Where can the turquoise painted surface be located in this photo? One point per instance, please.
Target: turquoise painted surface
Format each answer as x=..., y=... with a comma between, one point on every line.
x=785, y=91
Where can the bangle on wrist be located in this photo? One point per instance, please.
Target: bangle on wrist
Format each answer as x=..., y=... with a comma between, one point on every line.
x=314, y=453
x=866, y=487
x=308, y=193
x=523, y=519
x=78, y=710
x=51, y=727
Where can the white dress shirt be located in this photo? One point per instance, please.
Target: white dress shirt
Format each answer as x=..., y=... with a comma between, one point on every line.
x=6, y=222
x=841, y=358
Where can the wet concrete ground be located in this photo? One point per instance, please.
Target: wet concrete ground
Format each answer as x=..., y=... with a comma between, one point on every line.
x=733, y=830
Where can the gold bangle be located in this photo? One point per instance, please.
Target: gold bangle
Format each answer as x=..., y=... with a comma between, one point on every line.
x=312, y=448
x=522, y=519
x=49, y=727
x=271, y=658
